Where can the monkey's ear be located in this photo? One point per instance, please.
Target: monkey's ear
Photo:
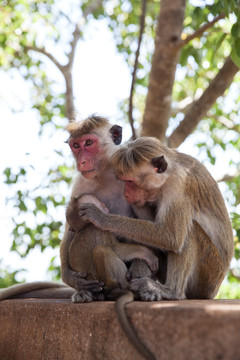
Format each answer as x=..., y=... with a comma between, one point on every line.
x=116, y=134
x=160, y=164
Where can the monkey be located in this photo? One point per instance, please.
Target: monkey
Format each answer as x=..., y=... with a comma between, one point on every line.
x=89, y=256
x=191, y=221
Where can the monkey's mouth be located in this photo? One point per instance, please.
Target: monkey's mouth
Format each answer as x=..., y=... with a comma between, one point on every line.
x=139, y=203
x=90, y=174
x=87, y=172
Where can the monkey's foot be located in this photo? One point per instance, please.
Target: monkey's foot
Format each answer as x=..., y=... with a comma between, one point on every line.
x=82, y=296
x=146, y=289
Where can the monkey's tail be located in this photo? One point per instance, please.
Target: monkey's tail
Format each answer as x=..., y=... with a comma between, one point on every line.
x=38, y=289
x=127, y=327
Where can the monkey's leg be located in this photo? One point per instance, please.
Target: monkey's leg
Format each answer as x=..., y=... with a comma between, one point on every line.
x=130, y=252
x=146, y=286
x=142, y=284
x=81, y=261
x=179, y=269
x=110, y=269
x=149, y=289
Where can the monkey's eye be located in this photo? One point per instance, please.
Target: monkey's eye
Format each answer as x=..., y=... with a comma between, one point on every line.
x=88, y=142
x=75, y=145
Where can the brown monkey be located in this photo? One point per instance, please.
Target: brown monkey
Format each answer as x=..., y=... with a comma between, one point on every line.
x=191, y=221
x=93, y=254
x=92, y=180
x=89, y=255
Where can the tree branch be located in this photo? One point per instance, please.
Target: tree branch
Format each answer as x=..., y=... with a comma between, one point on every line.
x=73, y=44
x=228, y=177
x=199, y=108
x=67, y=69
x=130, y=112
x=44, y=52
x=67, y=74
x=94, y=5
x=227, y=123
x=201, y=30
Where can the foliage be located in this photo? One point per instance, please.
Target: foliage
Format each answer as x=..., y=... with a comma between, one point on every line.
x=229, y=291
x=47, y=230
x=8, y=278
x=36, y=40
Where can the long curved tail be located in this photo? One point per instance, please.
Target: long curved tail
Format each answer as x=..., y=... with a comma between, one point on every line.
x=38, y=289
x=127, y=327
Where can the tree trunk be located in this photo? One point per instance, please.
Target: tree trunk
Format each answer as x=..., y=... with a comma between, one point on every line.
x=164, y=62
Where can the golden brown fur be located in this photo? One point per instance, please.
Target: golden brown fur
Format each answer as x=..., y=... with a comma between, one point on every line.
x=104, y=190
x=191, y=221
x=92, y=123
x=134, y=154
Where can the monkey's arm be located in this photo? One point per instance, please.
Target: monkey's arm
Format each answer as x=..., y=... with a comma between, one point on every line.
x=73, y=278
x=168, y=233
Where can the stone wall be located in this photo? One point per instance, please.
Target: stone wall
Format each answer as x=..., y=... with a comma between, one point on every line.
x=33, y=329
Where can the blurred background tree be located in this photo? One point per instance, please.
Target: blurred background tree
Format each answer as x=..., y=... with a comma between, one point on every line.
x=183, y=57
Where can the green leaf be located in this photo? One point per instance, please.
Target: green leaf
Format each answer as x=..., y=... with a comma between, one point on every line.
x=235, y=31
x=235, y=56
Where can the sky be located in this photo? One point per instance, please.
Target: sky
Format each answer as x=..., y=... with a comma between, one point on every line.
x=101, y=81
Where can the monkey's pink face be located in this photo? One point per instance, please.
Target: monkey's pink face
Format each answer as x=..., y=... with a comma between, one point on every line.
x=86, y=150
x=133, y=193
x=143, y=186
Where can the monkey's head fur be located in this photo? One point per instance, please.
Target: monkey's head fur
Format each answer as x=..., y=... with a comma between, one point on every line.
x=93, y=122
x=137, y=153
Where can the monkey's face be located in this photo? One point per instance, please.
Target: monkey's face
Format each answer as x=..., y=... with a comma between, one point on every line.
x=88, y=153
x=133, y=193
x=137, y=191
x=144, y=185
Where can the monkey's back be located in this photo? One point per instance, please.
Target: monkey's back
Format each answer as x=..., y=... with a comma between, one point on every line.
x=209, y=207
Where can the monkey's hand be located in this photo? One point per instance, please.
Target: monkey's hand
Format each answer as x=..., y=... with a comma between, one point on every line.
x=149, y=257
x=73, y=214
x=90, y=212
x=78, y=281
x=91, y=199
x=146, y=289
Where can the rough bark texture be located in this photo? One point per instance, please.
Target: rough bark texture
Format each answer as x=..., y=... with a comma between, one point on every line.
x=58, y=329
x=165, y=58
x=199, y=108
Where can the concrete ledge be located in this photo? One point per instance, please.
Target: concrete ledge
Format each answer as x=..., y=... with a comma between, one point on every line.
x=35, y=329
